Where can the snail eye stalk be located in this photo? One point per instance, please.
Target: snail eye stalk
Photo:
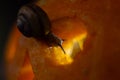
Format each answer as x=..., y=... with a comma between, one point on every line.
x=54, y=40
x=62, y=49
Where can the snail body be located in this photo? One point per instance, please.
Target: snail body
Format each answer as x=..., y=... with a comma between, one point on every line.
x=32, y=21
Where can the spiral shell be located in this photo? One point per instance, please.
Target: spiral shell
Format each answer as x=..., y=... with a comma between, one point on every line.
x=32, y=21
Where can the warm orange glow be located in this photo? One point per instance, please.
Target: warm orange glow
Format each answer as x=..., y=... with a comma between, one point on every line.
x=91, y=33
x=11, y=44
x=26, y=69
x=61, y=58
x=26, y=73
x=72, y=47
x=80, y=39
x=11, y=52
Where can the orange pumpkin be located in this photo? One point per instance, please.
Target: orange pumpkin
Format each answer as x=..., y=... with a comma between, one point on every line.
x=91, y=33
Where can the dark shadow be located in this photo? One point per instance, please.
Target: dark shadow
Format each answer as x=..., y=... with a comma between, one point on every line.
x=8, y=14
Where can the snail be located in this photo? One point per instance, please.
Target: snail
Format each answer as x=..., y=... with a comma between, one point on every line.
x=32, y=21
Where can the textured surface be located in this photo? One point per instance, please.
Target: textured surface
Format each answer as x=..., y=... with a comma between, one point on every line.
x=99, y=59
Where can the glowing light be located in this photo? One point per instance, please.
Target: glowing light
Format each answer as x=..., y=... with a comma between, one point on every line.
x=75, y=44
x=80, y=39
x=72, y=47
x=62, y=58
x=26, y=69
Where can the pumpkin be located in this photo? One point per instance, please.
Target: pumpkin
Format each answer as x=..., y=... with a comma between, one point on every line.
x=90, y=29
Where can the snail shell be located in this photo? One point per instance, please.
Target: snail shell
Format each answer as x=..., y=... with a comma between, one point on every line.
x=32, y=21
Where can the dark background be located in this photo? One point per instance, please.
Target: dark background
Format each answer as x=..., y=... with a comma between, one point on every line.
x=8, y=14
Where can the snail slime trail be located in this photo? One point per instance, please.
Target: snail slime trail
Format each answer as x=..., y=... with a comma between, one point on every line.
x=32, y=21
